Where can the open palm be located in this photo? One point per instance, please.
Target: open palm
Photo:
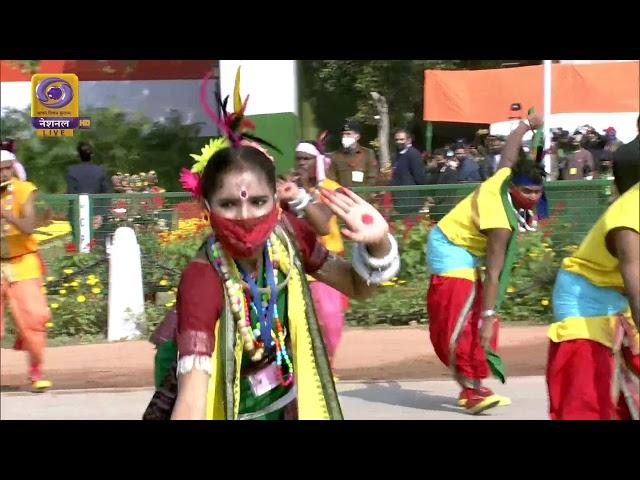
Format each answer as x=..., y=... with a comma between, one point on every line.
x=364, y=223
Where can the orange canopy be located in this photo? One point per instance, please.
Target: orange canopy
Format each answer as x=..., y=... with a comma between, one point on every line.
x=485, y=96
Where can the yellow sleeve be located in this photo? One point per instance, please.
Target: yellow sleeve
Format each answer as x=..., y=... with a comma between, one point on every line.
x=625, y=211
x=329, y=184
x=23, y=190
x=489, y=206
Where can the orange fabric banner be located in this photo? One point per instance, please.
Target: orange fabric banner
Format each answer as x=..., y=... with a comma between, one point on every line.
x=485, y=96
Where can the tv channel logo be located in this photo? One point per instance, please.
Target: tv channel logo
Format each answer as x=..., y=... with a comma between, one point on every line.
x=54, y=104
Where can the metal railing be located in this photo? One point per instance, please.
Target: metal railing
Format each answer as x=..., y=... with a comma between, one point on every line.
x=576, y=204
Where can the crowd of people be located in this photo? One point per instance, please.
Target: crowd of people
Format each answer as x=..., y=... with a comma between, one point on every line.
x=583, y=154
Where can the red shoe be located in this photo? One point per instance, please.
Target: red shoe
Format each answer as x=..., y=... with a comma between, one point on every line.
x=476, y=404
x=484, y=392
x=465, y=395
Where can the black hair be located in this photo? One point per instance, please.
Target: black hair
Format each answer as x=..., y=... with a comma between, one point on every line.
x=403, y=130
x=528, y=167
x=9, y=144
x=85, y=151
x=236, y=159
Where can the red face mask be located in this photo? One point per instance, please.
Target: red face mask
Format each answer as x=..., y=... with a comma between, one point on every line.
x=244, y=238
x=522, y=201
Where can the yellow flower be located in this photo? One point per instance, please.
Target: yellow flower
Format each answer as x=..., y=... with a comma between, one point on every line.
x=544, y=302
x=55, y=305
x=68, y=270
x=92, y=281
x=74, y=284
x=533, y=254
x=81, y=298
x=96, y=290
x=169, y=304
x=388, y=284
x=62, y=291
x=163, y=282
x=510, y=290
x=50, y=279
x=49, y=324
x=207, y=152
x=174, y=289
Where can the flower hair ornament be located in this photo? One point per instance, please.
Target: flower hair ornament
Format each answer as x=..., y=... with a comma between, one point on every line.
x=234, y=128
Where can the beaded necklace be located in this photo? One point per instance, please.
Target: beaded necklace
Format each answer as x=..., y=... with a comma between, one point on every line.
x=263, y=304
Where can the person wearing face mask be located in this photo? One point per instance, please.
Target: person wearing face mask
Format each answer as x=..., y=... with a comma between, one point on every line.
x=492, y=159
x=579, y=163
x=482, y=228
x=408, y=169
x=468, y=170
x=247, y=344
x=353, y=165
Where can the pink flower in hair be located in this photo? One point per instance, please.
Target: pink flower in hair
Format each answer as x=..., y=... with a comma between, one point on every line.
x=191, y=182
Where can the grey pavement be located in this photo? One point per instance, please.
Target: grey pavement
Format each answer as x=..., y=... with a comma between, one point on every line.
x=402, y=400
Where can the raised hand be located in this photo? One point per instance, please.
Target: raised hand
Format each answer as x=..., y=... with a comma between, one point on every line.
x=287, y=190
x=364, y=223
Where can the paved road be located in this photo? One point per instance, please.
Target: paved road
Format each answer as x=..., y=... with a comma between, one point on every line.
x=402, y=400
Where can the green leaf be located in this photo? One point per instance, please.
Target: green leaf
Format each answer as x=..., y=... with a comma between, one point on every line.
x=496, y=365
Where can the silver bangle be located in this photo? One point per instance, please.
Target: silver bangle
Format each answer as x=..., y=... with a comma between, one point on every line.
x=377, y=262
x=488, y=313
x=301, y=202
x=374, y=276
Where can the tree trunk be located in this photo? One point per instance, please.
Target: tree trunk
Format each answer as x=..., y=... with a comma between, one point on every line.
x=383, y=133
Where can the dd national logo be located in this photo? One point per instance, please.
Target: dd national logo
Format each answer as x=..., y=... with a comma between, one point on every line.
x=54, y=104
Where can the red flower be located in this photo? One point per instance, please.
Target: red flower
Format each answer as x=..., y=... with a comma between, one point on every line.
x=92, y=243
x=119, y=204
x=70, y=248
x=158, y=201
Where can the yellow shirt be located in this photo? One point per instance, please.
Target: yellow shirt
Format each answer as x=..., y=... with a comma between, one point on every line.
x=480, y=210
x=592, y=260
x=19, y=258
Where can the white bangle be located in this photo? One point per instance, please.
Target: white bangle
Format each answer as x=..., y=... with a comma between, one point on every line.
x=488, y=313
x=374, y=276
x=377, y=262
x=301, y=202
x=198, y=362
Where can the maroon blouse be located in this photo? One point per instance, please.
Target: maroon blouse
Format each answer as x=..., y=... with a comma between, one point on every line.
x=201, y=296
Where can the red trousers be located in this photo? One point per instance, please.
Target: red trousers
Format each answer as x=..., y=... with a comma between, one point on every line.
x=445, y=300
x=579, y=374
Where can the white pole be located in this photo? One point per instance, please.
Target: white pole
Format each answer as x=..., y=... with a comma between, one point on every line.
x=126, y=295
x=547, y=113
x=84, y=223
